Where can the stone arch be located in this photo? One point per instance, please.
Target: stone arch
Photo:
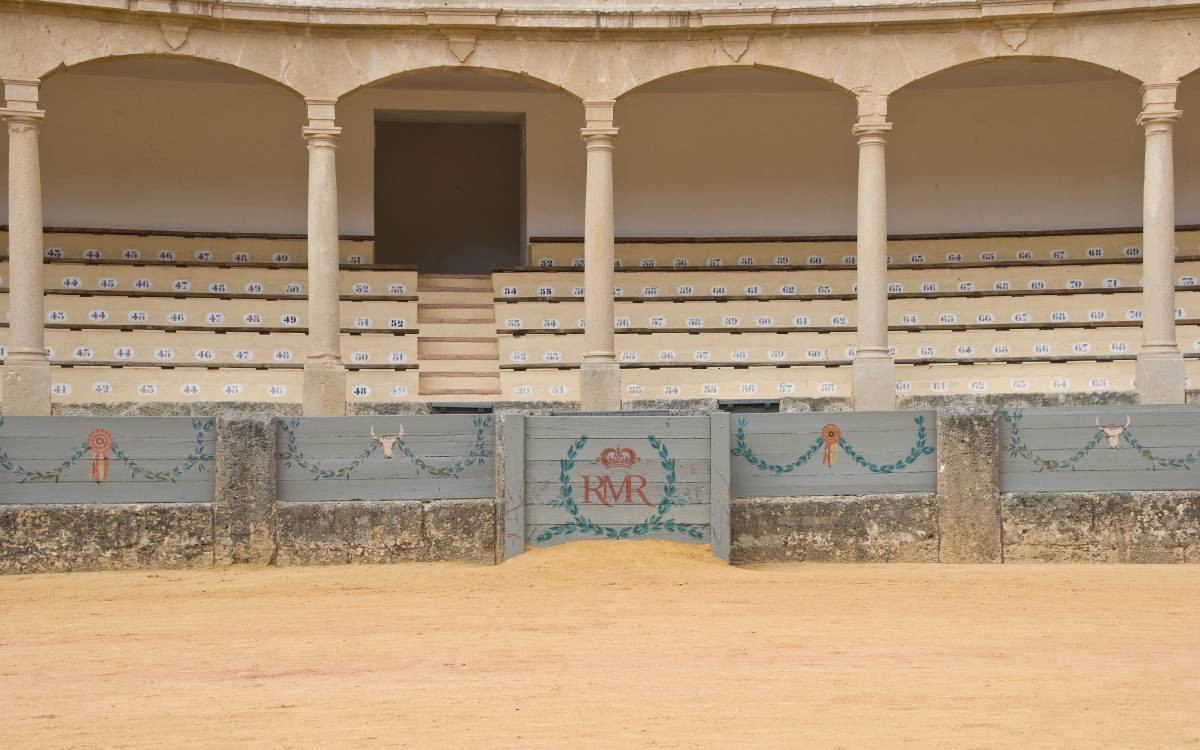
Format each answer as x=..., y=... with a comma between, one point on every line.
x=659, y=76
x=99, y=60
x=491, y=70
x=995, y=56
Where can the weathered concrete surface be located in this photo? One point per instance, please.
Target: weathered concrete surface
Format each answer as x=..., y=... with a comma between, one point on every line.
x=793, y=405
x=387, y=531
x=1121, y=527
x=968, y=485
x=54, y=538
x=679, y=406
x=372, y=408
x=245, y=494
x=870, y=528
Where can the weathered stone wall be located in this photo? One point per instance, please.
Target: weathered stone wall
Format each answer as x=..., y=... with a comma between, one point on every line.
x=1120, y=527
x=48, y=538
x=870, y=528
x=386, y=532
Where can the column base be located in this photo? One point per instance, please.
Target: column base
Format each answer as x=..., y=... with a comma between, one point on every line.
x=324, y=390
x=26, y=387
x=600, y=386
x=874, y=387
x=1160, y=378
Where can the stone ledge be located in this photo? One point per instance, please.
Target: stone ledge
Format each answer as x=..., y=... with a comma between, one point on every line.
x=58, y=538
x=1120, y=527
x=324, y=533
x=867, y=528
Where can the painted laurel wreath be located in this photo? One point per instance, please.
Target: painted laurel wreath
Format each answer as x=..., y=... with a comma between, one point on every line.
x=1112, y=436
x=100, y=443
x=292, y=454
x=656, y=522
x=831, y=439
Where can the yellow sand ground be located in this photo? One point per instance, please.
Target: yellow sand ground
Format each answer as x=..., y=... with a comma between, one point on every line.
x=605, y=645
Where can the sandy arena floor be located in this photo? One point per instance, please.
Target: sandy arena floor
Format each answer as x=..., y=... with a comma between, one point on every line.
x=599, y=645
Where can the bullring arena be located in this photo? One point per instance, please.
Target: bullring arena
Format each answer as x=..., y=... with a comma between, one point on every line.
x=333, y=328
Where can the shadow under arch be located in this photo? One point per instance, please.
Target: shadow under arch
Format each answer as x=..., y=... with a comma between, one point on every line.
x=178, y=61
x=802, y=79
x=1004, y=65
x=448, y=72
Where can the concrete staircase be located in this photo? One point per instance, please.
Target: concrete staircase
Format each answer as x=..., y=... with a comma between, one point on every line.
x=456, y=349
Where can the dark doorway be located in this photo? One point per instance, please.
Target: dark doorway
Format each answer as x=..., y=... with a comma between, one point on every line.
x=448, y=195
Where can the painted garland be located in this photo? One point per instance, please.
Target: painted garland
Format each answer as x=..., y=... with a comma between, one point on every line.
x=292, y=454
x=656, y=522
x=100, y=443
x=1017, y=448
x=831, y=439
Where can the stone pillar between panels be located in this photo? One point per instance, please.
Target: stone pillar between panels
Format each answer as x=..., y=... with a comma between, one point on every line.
x=1160, y=373
x=599, y=374
x=324, y=374
x=26, y=369
x=874, y=386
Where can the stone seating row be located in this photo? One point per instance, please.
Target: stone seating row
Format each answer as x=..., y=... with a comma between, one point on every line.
x=201, y=281
x=72, y=385
x=771, y=383
x=917, y=252
x=101, y=245
x=206, y=349
x=74, y=311
x=718, y=349
x=1122, y=307
x=689, y=284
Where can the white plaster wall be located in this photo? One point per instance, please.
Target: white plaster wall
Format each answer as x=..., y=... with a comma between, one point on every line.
x=143, y=153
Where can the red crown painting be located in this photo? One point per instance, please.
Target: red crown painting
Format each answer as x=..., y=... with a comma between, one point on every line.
x=618, y=458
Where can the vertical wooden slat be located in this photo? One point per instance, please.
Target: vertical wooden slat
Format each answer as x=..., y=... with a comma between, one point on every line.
x=513, y=442
x=721, y=530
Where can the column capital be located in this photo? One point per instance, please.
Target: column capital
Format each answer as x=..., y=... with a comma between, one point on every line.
x=321, y=136
x=871, y=131
x=22, y=119
x=599, y=138
x=1158, y=106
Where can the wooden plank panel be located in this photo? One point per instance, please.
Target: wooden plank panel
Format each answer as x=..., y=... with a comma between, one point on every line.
x=788, y=455
x=1133, y=448
x=336, y=458
x=720, y=524
x=106, y=459
x=514, y=485
x=617, y=477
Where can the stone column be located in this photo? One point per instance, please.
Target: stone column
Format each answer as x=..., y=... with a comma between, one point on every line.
x=324, y=375
x=599, y=375
x=874, y=369
x=1160, y=376
x=26, y=369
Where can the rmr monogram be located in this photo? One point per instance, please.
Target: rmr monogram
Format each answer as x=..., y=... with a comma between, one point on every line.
x=605, y=490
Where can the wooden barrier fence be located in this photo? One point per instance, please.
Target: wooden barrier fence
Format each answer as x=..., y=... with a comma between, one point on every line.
x=106, y=460
x=422, y=457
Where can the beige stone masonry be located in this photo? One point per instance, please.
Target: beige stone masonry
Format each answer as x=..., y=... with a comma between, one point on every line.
x=324, y=375
x=599, y=380
x=1160, y=376
x=26, y=370
x=874, y=369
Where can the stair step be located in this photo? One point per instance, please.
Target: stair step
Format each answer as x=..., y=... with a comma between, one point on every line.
x=455, y=306
x=458, y=392
x=465, y=357
x=457, y=339
x=473, y=289
x=436, y=321
x=455, y=374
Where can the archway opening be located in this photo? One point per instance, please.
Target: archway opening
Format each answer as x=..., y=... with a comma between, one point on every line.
x=171, y=144
x=451, y=169
x=735, y=151
x=1015, y=144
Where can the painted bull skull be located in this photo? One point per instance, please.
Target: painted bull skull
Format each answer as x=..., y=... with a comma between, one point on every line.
x=387, y=442
x=1113, y=433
